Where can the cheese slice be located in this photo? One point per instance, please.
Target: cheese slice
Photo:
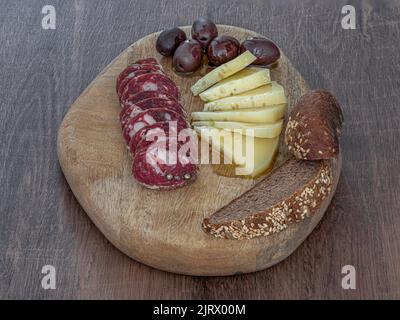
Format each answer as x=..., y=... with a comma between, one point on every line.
x=223, y=71
x=245, y=80
x=268, y=114
x=245, y=128
x=270, y=94
x=252, y=156
x=222, y=142
x=260, y=158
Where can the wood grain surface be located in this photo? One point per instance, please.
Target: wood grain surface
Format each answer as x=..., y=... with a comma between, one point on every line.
x=44, y=71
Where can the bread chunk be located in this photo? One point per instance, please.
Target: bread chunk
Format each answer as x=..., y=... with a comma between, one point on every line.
x=314, y=125
x=289, y=194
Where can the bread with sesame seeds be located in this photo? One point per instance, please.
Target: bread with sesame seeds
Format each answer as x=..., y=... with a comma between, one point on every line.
x=314, y=125
x=289, y=194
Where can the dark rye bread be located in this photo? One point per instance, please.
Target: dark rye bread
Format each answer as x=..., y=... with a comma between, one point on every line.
x=289, y=194
x=314, y=125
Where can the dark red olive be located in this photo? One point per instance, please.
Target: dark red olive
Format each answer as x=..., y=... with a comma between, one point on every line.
x=265, y=50
x=204, y=30
x=169, y=40
x=222, y=49
x=187, y=57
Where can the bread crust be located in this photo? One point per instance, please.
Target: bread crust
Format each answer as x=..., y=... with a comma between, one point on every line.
x=314, y=125
x=303, y=203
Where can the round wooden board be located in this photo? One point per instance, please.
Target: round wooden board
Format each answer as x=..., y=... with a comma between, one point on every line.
x=163, y=229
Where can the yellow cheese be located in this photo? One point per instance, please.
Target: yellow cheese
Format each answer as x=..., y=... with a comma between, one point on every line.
x=245, y=80
x=252, y=156
x=245, y=128
x=223, y=71
x=222, y=142
x=268, y=114
x=260, y=158
x=270, y=94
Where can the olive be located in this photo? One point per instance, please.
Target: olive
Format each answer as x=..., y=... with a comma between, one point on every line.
x=265, y=50
x=169, y=40
x=187, y=57
x=204, y=30
x=222, y=49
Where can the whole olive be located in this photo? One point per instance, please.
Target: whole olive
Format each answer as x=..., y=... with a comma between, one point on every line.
x=187, y=57
x=169, y=40
x=204, y=30
x=222, y=49
x=265, y=50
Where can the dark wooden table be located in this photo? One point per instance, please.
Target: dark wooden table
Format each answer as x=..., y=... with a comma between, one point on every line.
x=44, y=71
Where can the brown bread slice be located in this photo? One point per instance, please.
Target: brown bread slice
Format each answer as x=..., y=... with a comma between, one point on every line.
x=314, y=126
x=289, y=194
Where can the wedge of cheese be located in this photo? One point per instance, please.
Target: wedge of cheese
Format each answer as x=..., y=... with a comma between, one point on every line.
x=260, y=158
x=268, y=114
x=223, y=71
x=252, y=156
x=222, y=142
x=245, y=80
x=267, y=95
x=245, y=128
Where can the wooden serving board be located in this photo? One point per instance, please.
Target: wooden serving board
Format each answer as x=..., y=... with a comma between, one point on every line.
x=163, y=228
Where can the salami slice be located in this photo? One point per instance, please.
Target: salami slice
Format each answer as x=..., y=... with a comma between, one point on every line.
x=159, y=166
x=156, y=131
x=125, y=73
x=151, y=82
x=135, y=129
x=135, y=71
x=164, y=128
x=130, y=110
x=172, y=131
x=127, y=113
x=143, y=95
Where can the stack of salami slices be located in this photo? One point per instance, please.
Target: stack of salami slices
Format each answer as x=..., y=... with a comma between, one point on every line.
x=152, y=122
